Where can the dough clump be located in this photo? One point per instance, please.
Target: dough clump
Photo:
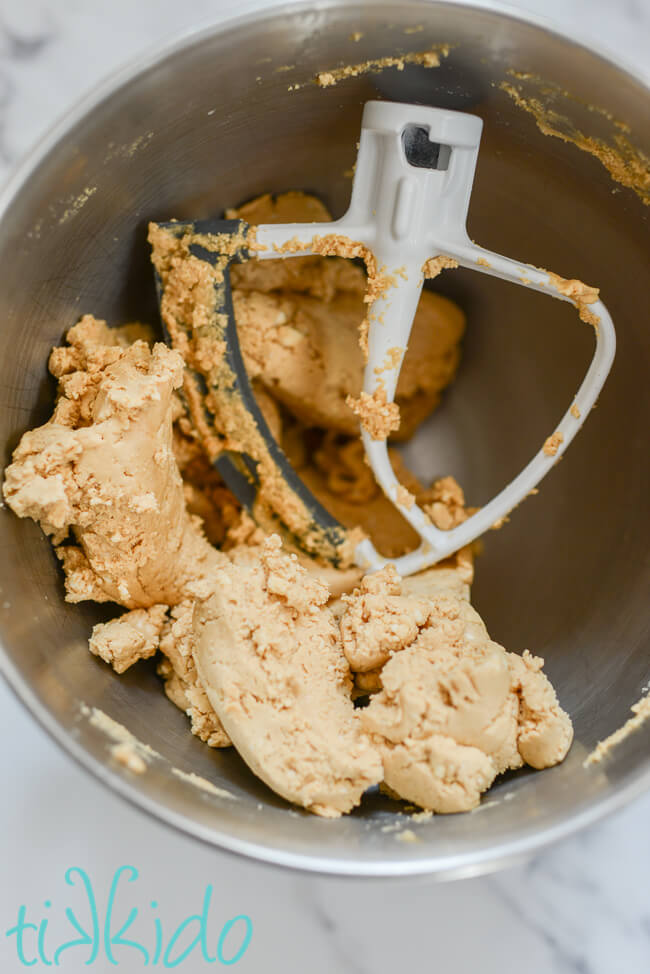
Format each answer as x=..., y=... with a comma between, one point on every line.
x=101, y=478
x=454, y=709
x=268, y=652
x=132, y=636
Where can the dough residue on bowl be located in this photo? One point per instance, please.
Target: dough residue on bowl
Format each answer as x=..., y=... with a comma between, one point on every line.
x=641, y=711
x=558, y=113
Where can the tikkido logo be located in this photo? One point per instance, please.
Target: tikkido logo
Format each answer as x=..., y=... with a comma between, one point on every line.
x=97, y=941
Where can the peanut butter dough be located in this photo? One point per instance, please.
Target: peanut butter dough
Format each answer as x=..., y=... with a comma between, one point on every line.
x=133, y=636
x=260, y=647
x=378, y=417
x=428, y=59
x=560, y=114
x=101, y=478
x=268, y=653
x=182, y=684
x=334, y=469
x=455, y=709
x=298, y=322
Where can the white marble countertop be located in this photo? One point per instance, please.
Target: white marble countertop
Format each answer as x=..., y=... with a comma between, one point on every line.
x=581, y=908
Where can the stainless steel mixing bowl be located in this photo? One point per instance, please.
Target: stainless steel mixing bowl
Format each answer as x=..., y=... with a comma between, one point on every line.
x=210, y=121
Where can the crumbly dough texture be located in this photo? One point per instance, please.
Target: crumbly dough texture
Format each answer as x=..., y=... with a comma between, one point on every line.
x=555, y=109
x=214, y=399
x=260, y=647
x=132, y=636
x=552, y=444
x=298, y=321
x=428, y=59
x=455, y=709
x=378, y=417
x=101, y=478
